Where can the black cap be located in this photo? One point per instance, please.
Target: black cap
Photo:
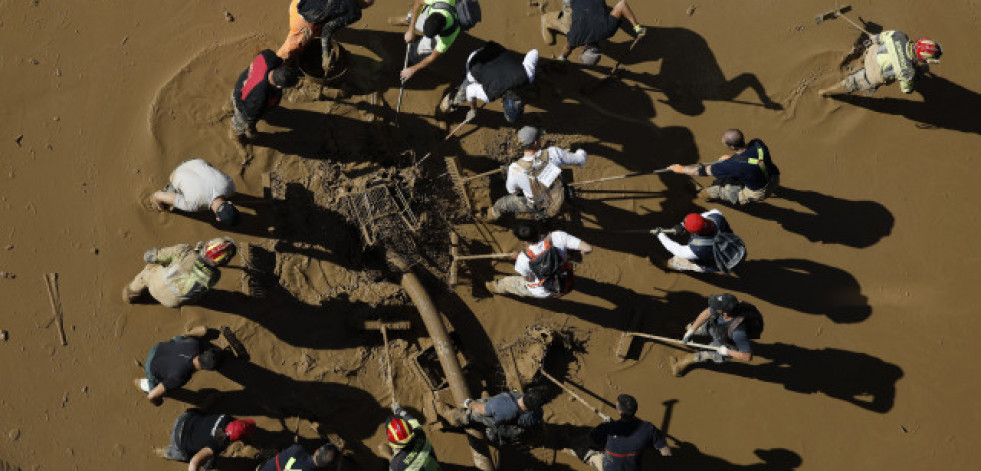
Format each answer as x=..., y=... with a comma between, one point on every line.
x=533, y=399
x=722, y=302
x=433, y=25
x=227, y=214
x=626, y=404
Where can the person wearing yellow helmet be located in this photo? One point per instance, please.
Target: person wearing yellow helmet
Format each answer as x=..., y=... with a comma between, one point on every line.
x=181, y=274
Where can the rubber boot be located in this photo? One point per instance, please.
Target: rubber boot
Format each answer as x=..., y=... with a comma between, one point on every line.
x=130, y=296
x=678, y=367
x=492, y=215
x=547, y=34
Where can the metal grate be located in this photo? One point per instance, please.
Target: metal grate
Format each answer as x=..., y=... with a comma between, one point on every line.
x=383, y=214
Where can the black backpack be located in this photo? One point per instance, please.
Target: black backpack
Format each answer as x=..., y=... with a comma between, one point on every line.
x=747, y=315
x=550, y=267
x=466, y=13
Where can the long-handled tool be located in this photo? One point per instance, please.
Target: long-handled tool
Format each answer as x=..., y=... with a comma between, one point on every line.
x=456, y=257
x=384, y=327
x=460, y=182
x=590, y=88
x=832, y=14
x=626, y=339
x=440, y=144
x=572, y=393
x=405, y=63
x=619, y=177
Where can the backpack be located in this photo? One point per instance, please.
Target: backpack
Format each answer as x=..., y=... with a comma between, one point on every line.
x=550, y=267
x=729, y=250
x=749, y=316
x=467, y=12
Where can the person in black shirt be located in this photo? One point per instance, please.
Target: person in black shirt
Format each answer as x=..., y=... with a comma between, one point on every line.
x=295, y=458
x=259, y=88
x=198, y=438
x=745, y=176
x=731, y=323
x=586, y=23
x=170, y=364
x=624, y=441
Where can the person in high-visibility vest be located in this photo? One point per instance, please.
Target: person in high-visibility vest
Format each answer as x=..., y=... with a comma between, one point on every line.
x=411, y=449
x=890, y=56
x=745, y=176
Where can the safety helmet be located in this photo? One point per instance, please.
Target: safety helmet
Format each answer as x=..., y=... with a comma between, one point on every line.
x=927, y=50
x=400, y=432
x=697, y=224
x=219, y=251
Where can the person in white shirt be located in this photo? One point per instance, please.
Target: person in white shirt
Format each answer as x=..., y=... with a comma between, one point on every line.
x=197, y=186
x=540, y=285
x=534, y=184
x=494, y=72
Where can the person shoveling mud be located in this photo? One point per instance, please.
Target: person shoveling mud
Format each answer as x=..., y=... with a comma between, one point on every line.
x=747, y=175
x=586, y=23
x=731, y=324
x=494, y=72
x=544, y=265
x=181, y=274
x=197, y=186
x=538, y=176
x=712, y=246
x=890, y=56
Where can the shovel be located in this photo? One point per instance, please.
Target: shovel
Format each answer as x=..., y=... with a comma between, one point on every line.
x=405, y=63
x=590, y=88
x=626, y=341
x=572, y=393
x=619, y=177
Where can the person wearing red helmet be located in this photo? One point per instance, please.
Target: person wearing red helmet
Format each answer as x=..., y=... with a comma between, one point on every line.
x=179, y=275
x=890, y=56
x=198, y=437
x=411, y=449
x=699, y=255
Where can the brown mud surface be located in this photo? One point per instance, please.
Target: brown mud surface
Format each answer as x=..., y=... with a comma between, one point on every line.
x=861, y=266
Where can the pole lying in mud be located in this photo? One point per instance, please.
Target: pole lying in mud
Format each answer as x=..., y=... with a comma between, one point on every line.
x=447, y=359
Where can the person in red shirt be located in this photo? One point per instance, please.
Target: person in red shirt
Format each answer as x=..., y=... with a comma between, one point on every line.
x=259, y=88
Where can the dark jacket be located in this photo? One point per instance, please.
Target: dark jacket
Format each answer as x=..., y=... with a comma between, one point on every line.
x=253, y=94
x=497, y=70
x=332, y=14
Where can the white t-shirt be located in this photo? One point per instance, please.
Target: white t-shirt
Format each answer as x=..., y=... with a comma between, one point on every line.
x=518, y=179
x=561, y=241
x=198, y=184
x=475, y=91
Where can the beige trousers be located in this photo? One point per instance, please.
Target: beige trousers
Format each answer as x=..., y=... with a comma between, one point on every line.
x=151, y=278
x=514, y=284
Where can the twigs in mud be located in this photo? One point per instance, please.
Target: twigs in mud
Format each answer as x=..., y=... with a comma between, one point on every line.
x=51, y=281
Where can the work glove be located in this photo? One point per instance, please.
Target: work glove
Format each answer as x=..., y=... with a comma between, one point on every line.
x=471, y=114
x=677, y=168
x=678, y=229
x=466, y=403
x=150, y=256
x=688, y=335
x=657, y=230
x=723, y=350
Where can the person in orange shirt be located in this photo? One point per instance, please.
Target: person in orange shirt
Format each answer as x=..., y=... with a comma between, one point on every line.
x=310, y=18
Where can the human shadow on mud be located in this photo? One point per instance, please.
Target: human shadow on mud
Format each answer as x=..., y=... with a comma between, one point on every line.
x=687, y=456
x=857, y=378
x=353, y=412
x=689, y=73
x=945, y=105
x=798, y=284
x=831, y=220
x=248, y=224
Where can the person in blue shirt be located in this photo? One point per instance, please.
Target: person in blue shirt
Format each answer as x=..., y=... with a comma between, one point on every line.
x=745, y=176
x=725, y=320
x=624, y=441
x=507, y=415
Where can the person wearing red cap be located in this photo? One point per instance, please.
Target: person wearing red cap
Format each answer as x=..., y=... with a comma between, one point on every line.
x=699, y=254
x=731, y=324
x=411, y=449
x=198, y=438
x=890, y=56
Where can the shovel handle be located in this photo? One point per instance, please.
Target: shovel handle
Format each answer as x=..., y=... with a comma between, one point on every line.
x=672, y=341
x=572, y=393
x=483, y=256
x=620, y=177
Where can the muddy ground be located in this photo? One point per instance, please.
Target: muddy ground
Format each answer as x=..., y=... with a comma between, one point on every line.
x=861, y=266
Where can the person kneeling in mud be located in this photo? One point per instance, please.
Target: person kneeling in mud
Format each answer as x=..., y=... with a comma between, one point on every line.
x=712, y=246
x=747, y=175
x=181, y=274
x=199, y=437
x=586, y=23
x=506, y=416
x=494, y=72
x=170, y=364
x=538, y=175
x=258, y=89
x=731, y=324
x=543, y=266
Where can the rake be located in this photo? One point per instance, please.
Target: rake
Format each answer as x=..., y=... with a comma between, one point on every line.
x=460, y=182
